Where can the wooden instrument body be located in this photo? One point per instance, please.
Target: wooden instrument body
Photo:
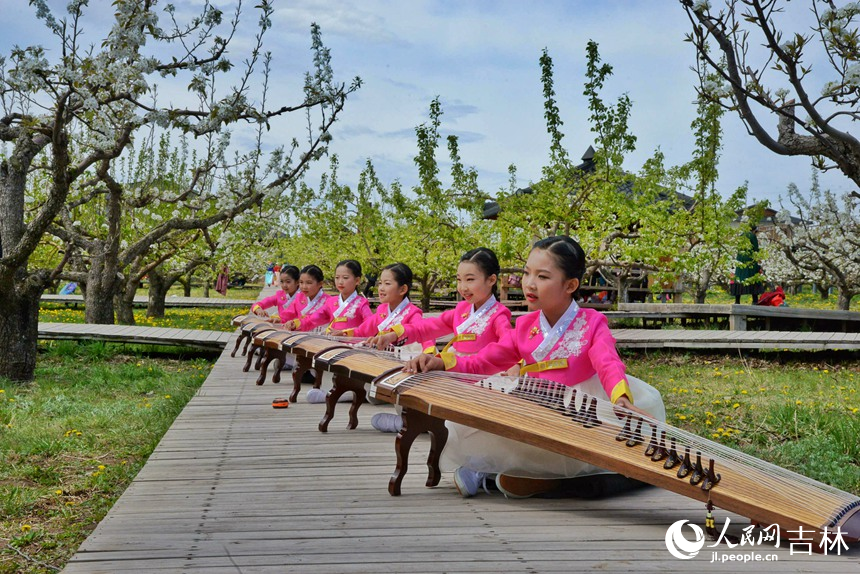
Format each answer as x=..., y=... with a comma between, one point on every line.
x=757, y=492
x=762, y=492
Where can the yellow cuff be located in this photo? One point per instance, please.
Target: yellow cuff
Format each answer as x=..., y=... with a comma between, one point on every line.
x=348, y=332
x=398, y=329
x=620, y=390
x=296, y=323
x=450, y=360
x=430, y=350
x=254, y=307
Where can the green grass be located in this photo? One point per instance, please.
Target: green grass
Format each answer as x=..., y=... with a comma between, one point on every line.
x=71, y=442
x=803, y=415
x=214, y=319
x=249, y=291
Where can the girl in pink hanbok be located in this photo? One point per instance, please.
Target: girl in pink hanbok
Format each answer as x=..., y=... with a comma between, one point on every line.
x=478, y=320
x=348, y=310
x=557, y=341
x=394, y=309
x=281, y=300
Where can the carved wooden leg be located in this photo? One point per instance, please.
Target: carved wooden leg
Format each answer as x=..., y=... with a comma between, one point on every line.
x=358, y=398
x=303, y=365
x=248, y=361
x=264, y=352
x=281, y=357
x=241, y=336
x=331, y=399
x=248, y=339
x=264, y=368
x=415, y=423
x=340, y=386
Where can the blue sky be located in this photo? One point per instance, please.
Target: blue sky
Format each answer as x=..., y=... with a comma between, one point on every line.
x=481, y=59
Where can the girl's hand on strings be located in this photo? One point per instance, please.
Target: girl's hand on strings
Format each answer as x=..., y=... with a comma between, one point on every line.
x=625, y=403
x=382, y=342
x=423, y=363
x=336, y=333
x=513, y=371
x=260, y=312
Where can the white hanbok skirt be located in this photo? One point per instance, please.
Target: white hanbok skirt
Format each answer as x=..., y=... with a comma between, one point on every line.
x=486, y=452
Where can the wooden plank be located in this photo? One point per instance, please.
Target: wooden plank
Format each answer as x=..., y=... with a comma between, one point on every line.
x=235, y=485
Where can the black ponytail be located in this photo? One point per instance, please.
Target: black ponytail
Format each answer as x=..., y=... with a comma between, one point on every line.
x=568, y=255
x=292, y=271
x=486, y=260
x=314, y=272
x=351, y=264
x=402, y=274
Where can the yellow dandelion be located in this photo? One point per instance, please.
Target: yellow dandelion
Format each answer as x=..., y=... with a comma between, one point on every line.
x=101, y=467
x=798, y=402
x=166, y=396
x=26, y=528
x=58, y=491
x=744, y=392
x=70, y=503
x=736, y=405
x=2, y=391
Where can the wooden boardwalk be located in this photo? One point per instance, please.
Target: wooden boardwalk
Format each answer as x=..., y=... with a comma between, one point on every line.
x=626, y=338
x=197, y=338
x=728, y=340
x=238, y=487
x=738, y=316
x=142, y=301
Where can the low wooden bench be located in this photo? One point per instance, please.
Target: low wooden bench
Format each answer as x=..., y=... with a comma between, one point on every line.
x=738, y=316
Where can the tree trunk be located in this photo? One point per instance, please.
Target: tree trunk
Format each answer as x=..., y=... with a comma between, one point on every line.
x=98, y=302
x=701, y=294
x=823, y=291
x=157, y=294
x=125, y=304
x=206, y=287
x=425, y=294
x=186, y=285
x=844, y=300
x=19, y=335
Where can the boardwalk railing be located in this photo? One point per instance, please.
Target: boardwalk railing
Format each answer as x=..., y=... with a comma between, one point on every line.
x=196, y=338
x=738, y=316
x=141, y=301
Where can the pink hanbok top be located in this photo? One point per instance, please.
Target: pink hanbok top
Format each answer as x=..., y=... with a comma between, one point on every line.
x=489, y=327
x=349, y=317
x=280, y=300
x=298, y=308
x=371, y=326
x=586, y=347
